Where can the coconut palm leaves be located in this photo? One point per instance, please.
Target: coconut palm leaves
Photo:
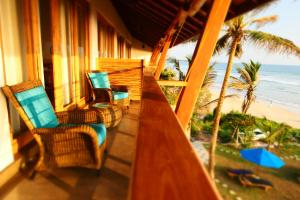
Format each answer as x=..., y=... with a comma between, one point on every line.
x=176, y=64
x=272, y=43
x=248, y=80
x=237, y=29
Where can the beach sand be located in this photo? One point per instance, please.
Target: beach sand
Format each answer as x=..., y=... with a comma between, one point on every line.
x=260, y=108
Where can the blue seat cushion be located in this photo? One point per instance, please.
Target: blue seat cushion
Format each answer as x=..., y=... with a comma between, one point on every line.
x=120, y=95
x=99, y=79
x=99, y=128
x=38, y=108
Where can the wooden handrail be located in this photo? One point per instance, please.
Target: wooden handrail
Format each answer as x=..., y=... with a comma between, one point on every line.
x=172, y=83
x=125, y=70
x=166, y=165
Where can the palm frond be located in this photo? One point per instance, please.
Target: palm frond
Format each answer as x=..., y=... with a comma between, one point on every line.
x=272, y=42
x=189, y=59
x=238, y=84
x=216, y=100
x=222, y=43
x=244, y=74
x=260, y=22
x=210, y=76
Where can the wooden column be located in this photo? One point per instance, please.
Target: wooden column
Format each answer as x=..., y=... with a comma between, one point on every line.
x=56, y=55
x=202, y=56
x=162, y=59
x=156, y=51
x=32, y=38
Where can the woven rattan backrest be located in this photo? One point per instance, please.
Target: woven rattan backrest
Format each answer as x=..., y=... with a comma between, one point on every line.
x=10, y=92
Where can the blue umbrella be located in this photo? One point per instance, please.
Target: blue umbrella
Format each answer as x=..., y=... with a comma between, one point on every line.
x=262, y=157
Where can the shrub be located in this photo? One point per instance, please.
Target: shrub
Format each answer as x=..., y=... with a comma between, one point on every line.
x=225, y=135
x=167, y=74
x=208, y=118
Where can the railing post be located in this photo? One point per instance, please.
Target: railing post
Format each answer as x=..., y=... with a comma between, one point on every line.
x=203, y=53
x=162, y=59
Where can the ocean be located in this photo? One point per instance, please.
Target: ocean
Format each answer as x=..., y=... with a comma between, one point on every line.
x=279, y=84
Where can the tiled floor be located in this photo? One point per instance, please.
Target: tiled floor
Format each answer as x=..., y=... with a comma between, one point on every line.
x=79, y=183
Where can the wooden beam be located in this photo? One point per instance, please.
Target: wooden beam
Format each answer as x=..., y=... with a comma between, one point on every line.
x=163, y=56
x=161, y=12
x=155, y=54
x=172, y=83
x=202, y=56
x=177, y=22
x=164, y=155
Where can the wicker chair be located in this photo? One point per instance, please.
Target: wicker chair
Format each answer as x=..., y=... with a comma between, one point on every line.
x=65, y=139
x=102, y=91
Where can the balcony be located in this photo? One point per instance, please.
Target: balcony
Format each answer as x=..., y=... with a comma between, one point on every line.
x=146, y=152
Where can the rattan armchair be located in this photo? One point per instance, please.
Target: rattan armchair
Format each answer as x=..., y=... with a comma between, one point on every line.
x=103, y=91
x=65, y=139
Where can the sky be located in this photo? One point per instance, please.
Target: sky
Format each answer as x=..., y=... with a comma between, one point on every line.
x=287, y=26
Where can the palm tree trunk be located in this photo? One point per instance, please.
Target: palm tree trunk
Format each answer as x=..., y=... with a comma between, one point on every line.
x=247, y=101
x=236, y=131
x=218, y=111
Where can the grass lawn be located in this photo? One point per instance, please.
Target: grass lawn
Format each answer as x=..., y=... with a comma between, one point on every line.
x=286, y=185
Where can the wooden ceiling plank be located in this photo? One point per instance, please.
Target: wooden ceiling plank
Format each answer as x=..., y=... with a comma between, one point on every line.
x=158, y=14
x=161, y=8
x=151, y=17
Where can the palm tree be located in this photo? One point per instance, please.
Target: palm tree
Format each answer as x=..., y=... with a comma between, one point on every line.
x=176, y=64
x=235, y=35
x=248, y=80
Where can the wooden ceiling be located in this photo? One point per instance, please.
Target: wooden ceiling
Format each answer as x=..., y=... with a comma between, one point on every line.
x=147, y=20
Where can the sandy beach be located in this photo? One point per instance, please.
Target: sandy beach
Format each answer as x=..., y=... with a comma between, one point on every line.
x=260, y=108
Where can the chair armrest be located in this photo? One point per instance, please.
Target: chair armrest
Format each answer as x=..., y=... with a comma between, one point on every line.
x=102, y=95
x=90, y=116
x=46, y=136
x=121, y=88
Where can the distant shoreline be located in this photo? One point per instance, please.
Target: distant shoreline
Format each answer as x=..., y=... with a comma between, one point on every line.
x=261, y=108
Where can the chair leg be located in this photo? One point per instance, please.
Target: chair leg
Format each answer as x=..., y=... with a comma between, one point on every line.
x=32, y=175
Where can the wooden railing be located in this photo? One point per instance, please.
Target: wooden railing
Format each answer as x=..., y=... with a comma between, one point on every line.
x=166, y=165
x=172, y=83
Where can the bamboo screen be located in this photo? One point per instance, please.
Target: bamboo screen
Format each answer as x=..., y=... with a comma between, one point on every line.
x=124, y=72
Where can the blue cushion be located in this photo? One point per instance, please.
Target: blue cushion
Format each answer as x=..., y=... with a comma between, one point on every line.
x=101, y=132
x=120, y=95
x=99, y=79
x=38, y=108
x=99, y=128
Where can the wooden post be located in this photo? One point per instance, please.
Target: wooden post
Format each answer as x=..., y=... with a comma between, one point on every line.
x=202, y=56
x=162, y=59
x=32, y=38
x=56, y=55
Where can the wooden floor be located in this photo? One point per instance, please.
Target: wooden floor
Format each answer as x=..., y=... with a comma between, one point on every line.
x=78, y=183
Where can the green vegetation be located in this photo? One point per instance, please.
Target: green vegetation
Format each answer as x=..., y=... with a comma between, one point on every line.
x=167, y=74
x=277, y=133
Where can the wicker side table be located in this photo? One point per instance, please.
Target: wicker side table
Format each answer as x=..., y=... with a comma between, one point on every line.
x=112, y=113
